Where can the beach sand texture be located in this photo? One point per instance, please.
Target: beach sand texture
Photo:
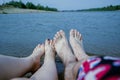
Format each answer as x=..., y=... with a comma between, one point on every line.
x=18, y=10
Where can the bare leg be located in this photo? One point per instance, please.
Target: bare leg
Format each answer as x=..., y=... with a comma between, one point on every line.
x=48, y=70
x=11, y=67
x=65, y=53
x=77, y=45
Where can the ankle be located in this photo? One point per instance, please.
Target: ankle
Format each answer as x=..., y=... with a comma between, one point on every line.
x=49, y=58
x=69, y=71
x=84, y=58
x=35, y=63
x=67, y=63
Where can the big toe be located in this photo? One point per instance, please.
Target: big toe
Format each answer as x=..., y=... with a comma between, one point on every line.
x=47, y=42
x=62, y=33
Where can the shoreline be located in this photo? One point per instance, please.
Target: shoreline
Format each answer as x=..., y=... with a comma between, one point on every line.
x=19, y=10
x=12, y=10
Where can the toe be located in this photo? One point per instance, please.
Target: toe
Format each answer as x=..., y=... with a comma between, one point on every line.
x=71, y=32
x=62, y=33
x=46, y=42
x=58, y=35
x=54, y=40
x=75, y=32
x=80, y=37
x=51, y=42
x=78, y=34
x=42, y=45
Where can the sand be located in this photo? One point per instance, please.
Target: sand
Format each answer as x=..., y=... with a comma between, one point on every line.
x=18, y=10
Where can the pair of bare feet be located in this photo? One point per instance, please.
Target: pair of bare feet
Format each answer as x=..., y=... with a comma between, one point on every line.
x=60, y=45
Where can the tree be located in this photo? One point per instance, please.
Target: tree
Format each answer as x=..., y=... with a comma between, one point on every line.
x=19, y=4
x=40, y=7
x=30, y=5
x=22, y=5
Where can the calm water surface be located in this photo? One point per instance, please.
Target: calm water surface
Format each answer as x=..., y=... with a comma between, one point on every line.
x=20, y=33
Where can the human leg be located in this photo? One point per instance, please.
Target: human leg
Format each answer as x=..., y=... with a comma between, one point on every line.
x=65, y=53
x=11, y=67
x=77, y=45
x=75, y=40
x=100, y=68
x=48, y=70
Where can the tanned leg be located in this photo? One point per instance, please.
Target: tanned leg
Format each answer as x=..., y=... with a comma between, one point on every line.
x=11, y=67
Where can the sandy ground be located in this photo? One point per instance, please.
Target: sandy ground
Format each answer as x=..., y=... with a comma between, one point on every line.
x=18, y=10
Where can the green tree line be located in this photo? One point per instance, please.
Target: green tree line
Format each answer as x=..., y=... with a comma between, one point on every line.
x=108, y=8
x=28, y=5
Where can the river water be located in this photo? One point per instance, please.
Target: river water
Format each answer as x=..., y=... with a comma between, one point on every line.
x=20, y=33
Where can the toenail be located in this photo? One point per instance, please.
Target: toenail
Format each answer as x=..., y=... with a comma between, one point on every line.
x=48, y=39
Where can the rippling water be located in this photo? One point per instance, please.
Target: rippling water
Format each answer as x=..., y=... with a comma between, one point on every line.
x=20, y=33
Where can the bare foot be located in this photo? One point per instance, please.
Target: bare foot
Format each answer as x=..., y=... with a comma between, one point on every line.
x=49, y=49
x=36, y=55
x=77, y=45
x=62, y=48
